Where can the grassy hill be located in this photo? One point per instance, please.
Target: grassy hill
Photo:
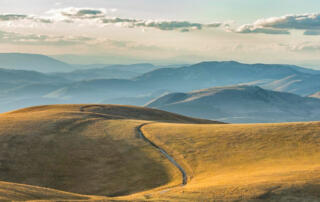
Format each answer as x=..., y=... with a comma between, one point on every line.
x=241, y=104
x=248, y=162
x=94, y=152
x=20, y=192
x=84, y=149
x=301, y=84
x=107, y=72
x=208, y=74
x=316, y=95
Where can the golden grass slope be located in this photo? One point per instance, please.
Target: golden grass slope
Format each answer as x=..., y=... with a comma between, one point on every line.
x=20, y=192
x=91, y=150
x=249, y=162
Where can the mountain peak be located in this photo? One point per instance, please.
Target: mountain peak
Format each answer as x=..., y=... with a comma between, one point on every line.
x=34, y=62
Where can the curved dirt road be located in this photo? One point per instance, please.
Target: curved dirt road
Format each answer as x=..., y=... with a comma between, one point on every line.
x=170, y=158
x=141, y=135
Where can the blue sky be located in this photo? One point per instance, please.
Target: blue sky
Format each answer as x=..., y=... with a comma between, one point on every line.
x=166, y=31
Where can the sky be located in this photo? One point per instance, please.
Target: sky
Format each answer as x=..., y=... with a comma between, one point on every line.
x=164, y=32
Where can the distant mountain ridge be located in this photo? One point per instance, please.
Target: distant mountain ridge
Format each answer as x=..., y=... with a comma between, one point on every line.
x=208, y=74
x=33, y=62
x=137, y=84
x=240, y=104
x=108, y=72
x=316, y=95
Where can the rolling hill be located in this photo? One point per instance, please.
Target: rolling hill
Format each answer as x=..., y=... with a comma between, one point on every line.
x=187, y=78
x=103, y=85
x=25, y=76
x=108, y=72
x=21, y=192
x=241, y=104
x=244, y=162
x=96, y=152
x=316, y=95
x=32, y=62
x=84, y=149
x=302, y=84
x=21, y=88
x=208, y=74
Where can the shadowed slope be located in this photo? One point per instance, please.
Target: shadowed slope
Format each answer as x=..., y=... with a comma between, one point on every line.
x=82, y=149
x=18, y=192
x=316, y=95
x=241, y=104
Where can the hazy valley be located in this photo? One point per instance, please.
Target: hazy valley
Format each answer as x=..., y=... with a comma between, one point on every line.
x=141, y=84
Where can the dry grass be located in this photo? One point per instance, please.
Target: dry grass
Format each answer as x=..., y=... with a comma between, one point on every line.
x=95, y=152
x=92, y=151
x=244, y=162
x=19, y=192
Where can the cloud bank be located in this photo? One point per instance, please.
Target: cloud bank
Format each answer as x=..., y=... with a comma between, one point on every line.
x=34, y=39
x=101, y=16
x=281, y=25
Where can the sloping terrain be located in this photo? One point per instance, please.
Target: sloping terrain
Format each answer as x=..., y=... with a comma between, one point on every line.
x=188, y=78
x=245, y=162
x=20, y=192
x=241, y=104
x=138, y=84
x=208, y=74
x=33, y=62
x=84, y=149
x=316, y=95
x=108, y=72
x=113, y=152
x=301, y=84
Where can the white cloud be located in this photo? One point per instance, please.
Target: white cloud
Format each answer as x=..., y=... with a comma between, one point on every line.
x=12, y=17
x=79, y=13
x=306, y=47
x=36, y=39
x=282, y=25
x=167, y=25
x=304, y=22
x=247, y=29
x=100, y=16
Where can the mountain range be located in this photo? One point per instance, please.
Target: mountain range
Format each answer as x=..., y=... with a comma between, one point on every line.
x=33, y=62
x=240, y=104
x=138, y=84
x=316, y=95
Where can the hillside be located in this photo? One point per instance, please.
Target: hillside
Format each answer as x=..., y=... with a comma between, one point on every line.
x=20, y=192
x=186, y=78
x=208, y=74
x=108, y=72
x=302, y=84
x=245, y=162
x=241, y=104
x=84, y=149
x=33, y=62
x=22, y=88
x=96, y=152
x=119, y=84
x=316, y=95
x=24, y=76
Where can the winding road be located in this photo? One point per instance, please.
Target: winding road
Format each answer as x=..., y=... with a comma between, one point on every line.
x=170, y=158
x=141, y=135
